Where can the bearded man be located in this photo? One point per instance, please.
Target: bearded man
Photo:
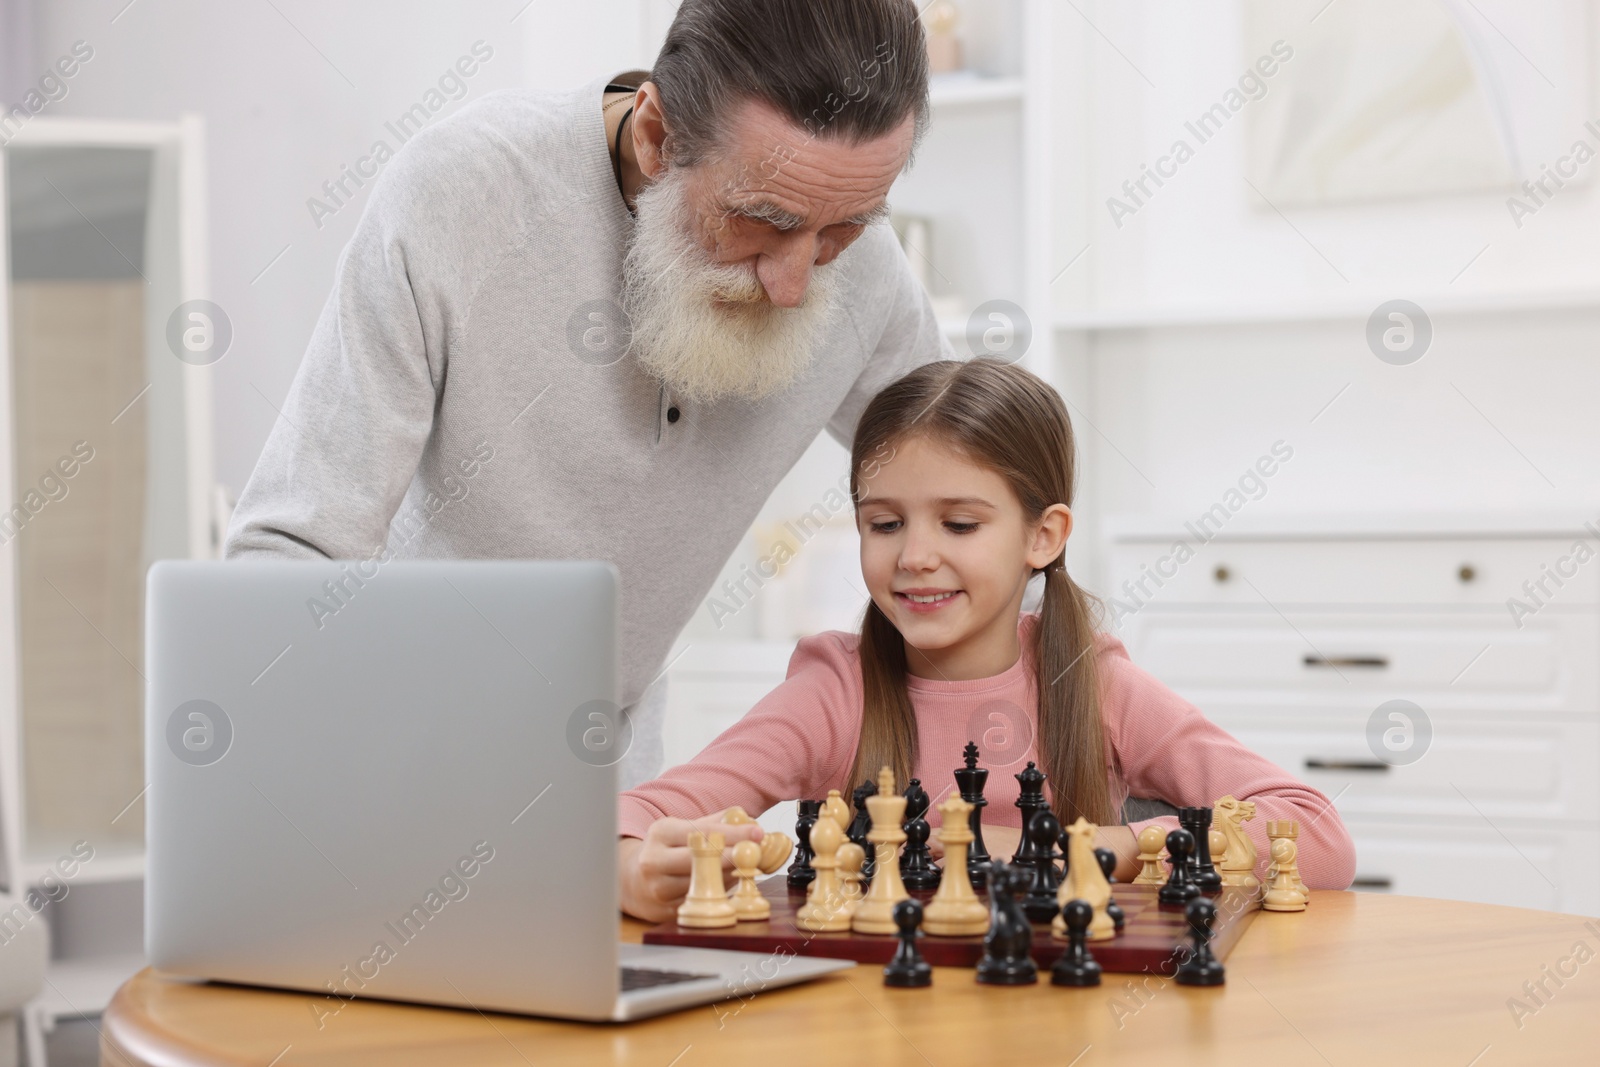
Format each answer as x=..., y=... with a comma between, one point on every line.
x=604, y=323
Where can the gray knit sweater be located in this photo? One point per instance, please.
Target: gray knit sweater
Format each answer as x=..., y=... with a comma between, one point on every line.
x=443, y=410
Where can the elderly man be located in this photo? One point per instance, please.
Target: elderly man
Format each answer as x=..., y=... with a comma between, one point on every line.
x=603, y=323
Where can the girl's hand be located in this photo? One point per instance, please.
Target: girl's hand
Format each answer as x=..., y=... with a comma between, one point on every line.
x=654, y=873
x=1001, y=841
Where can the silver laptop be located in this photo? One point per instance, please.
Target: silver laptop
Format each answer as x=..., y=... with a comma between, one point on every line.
x=399, y=781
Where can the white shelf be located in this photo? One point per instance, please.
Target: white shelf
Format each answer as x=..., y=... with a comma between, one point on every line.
x=1360, y=526
x=955, y=90
x=1149, y=318
x=105, y=867
x=83, y=986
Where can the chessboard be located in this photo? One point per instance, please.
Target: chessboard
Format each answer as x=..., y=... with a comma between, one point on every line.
x=1151, y=936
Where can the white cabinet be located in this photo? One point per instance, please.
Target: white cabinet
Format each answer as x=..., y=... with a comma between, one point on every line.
x=1296, y=640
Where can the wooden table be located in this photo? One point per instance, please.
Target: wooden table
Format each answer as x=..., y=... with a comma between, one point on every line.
x=1356, y=979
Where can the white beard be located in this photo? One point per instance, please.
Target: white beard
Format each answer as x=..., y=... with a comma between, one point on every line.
x=701, y=350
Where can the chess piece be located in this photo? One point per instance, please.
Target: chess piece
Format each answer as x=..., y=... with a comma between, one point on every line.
x=775, y=846
x=1040, y=903
x=1219, y=847
x=1084, y=881
x=862, y=822
x=1075, y=966
x=1239, y=860
x=917, y=803
x=707, y=905
x=1290, y=829
x=825, y=908
x=852, y=857
x=1180, y=885
x=970, y=780
x=1197, y=821
x=1030, y=801
x=1151, y=841
x=908, y=970
x=955, y=910
x=800, y=871
x=876, y=913
x=748, y=903
x=1063, y=839
x=921, y=872
x=1201, y=967
x=836, y=809
x=1108, y=864
x=1283, y=894
x=1006, y=947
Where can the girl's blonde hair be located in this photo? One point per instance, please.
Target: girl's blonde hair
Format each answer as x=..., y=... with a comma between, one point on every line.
x=1011, y=421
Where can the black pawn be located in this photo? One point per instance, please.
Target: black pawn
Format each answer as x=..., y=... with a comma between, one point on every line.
x=801, y=873
x=1064, y=842
x=1030, y=800
x=861, y=824
x=1108, y=863
x=970, y=780
x=1076, y=967
x=1198, y=822
x=1006, y=947
x=920, y=872
x=1180, y=887
x=917, y=804
x=1202, y=967
x=908, y=970
x=1040, y=903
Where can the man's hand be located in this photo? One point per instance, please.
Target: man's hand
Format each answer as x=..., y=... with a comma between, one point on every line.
x=654, y=872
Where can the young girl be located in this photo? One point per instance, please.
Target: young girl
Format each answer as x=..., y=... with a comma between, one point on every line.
x=962, y=473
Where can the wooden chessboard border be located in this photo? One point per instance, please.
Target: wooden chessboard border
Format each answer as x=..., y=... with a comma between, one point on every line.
x=1154, y=933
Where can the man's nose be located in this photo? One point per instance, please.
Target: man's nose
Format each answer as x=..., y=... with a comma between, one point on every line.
x=786, y=270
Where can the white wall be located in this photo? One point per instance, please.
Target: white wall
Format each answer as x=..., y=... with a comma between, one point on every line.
x=288, y=99
x=1264, y=332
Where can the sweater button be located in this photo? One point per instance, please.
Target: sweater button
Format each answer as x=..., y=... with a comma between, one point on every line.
x=672, y=414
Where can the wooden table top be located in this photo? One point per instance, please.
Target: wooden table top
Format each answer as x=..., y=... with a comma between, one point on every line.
x=1356, y=979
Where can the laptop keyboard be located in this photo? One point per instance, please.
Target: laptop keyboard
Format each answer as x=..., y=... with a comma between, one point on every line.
x=647, y=977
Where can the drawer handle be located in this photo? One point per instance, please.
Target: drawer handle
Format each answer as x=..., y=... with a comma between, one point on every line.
x=1347, y=661
x=1377, y=882
x=1466, y=572
x=1313, y=764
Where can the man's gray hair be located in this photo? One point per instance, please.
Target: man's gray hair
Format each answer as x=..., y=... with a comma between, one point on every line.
x=836, y=68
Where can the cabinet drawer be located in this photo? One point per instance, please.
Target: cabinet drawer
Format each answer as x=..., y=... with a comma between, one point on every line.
x=1556, y=869
x=1438, y=660
x=1472, y=769
x=1422, y=572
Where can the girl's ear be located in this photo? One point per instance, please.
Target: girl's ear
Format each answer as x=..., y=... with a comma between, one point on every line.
x=1055, y=526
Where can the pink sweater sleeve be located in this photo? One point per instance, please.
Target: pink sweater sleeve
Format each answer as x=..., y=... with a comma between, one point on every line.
x=789, y=746
x=1168, y=749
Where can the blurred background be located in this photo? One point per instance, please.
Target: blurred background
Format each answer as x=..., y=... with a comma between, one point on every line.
x=1318, y=280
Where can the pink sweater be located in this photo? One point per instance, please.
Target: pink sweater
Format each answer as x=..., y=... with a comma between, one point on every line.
x=799, y=741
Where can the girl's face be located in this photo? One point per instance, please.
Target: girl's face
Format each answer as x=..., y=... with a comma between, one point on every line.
x=946, y=553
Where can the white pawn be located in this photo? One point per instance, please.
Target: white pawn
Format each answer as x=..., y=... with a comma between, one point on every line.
x=1283, y=895
x=1151, y=841
x=748, y=903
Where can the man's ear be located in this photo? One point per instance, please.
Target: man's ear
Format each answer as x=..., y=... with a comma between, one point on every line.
x=648, y=128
